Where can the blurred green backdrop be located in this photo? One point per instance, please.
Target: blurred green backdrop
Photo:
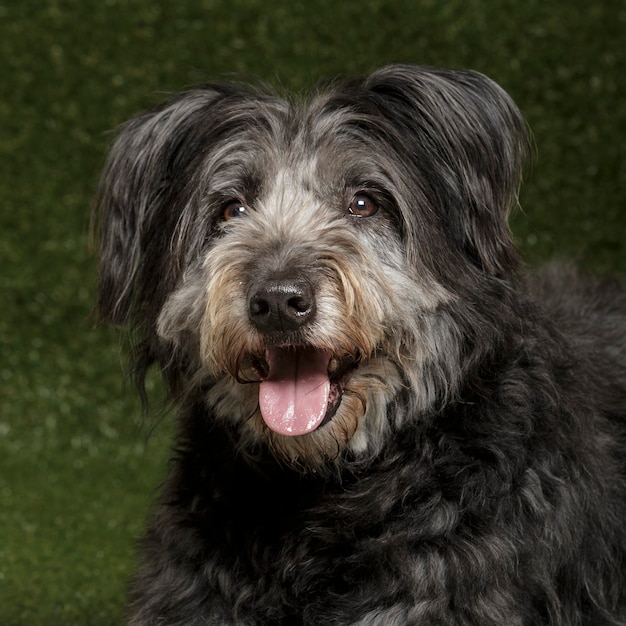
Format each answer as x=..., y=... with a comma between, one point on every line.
x=78, y=463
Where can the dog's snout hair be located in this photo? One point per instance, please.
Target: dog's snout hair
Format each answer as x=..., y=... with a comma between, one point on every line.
x=382, y=418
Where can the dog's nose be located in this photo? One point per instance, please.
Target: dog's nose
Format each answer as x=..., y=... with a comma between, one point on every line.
x=280, y=305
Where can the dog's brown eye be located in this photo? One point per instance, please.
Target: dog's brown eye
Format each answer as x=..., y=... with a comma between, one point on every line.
x=233, y=209
x=362, y=205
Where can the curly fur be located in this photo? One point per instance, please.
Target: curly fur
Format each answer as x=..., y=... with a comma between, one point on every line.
x=471, y=470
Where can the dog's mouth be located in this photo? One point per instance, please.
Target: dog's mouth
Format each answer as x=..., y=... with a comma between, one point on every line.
x=301, y=387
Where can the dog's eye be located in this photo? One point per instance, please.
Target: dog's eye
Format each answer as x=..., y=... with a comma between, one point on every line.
x=233, y=209
x=362, y=205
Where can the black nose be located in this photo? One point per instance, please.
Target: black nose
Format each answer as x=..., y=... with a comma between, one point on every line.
x=281, y=305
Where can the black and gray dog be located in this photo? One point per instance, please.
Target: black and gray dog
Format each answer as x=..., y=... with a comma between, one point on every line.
x=383, y=420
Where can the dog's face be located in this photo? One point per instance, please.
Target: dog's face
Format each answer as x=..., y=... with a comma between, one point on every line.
x=296, y=263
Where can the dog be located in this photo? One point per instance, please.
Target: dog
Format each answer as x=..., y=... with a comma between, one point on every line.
x=383, y=418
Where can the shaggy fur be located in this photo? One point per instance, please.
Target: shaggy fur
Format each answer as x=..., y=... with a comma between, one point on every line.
x=466, y=466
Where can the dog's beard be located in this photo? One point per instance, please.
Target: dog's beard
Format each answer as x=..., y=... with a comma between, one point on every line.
x=354, y=421
x=303, y=397
x=305, y=402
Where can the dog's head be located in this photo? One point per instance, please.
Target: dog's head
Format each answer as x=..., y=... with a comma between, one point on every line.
x=304, y=265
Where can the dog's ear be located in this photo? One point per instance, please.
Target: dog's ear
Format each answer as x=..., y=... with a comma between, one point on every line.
x=140, y=199
x=467, y=141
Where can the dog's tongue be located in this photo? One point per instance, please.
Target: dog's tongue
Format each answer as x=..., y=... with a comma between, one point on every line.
x=294, y=396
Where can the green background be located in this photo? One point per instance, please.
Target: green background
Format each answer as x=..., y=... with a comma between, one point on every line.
x=78, y=463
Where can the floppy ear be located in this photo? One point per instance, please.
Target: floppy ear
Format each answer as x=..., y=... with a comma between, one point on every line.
x=467, y=141
x=142, y=191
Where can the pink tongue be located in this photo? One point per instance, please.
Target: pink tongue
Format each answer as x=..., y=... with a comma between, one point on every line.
x=294, y=396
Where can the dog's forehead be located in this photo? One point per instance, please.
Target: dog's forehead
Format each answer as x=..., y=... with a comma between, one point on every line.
x=293, y=179
x=292, y=197
x=315, y=144
x=316, y=156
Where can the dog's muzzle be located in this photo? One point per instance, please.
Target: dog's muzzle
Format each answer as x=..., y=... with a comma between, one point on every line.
x=301, y=385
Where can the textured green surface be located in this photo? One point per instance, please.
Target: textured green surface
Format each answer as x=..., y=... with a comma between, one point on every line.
x=78, y=464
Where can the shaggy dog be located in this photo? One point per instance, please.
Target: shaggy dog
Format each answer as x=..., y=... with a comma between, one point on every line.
x=382, y=419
